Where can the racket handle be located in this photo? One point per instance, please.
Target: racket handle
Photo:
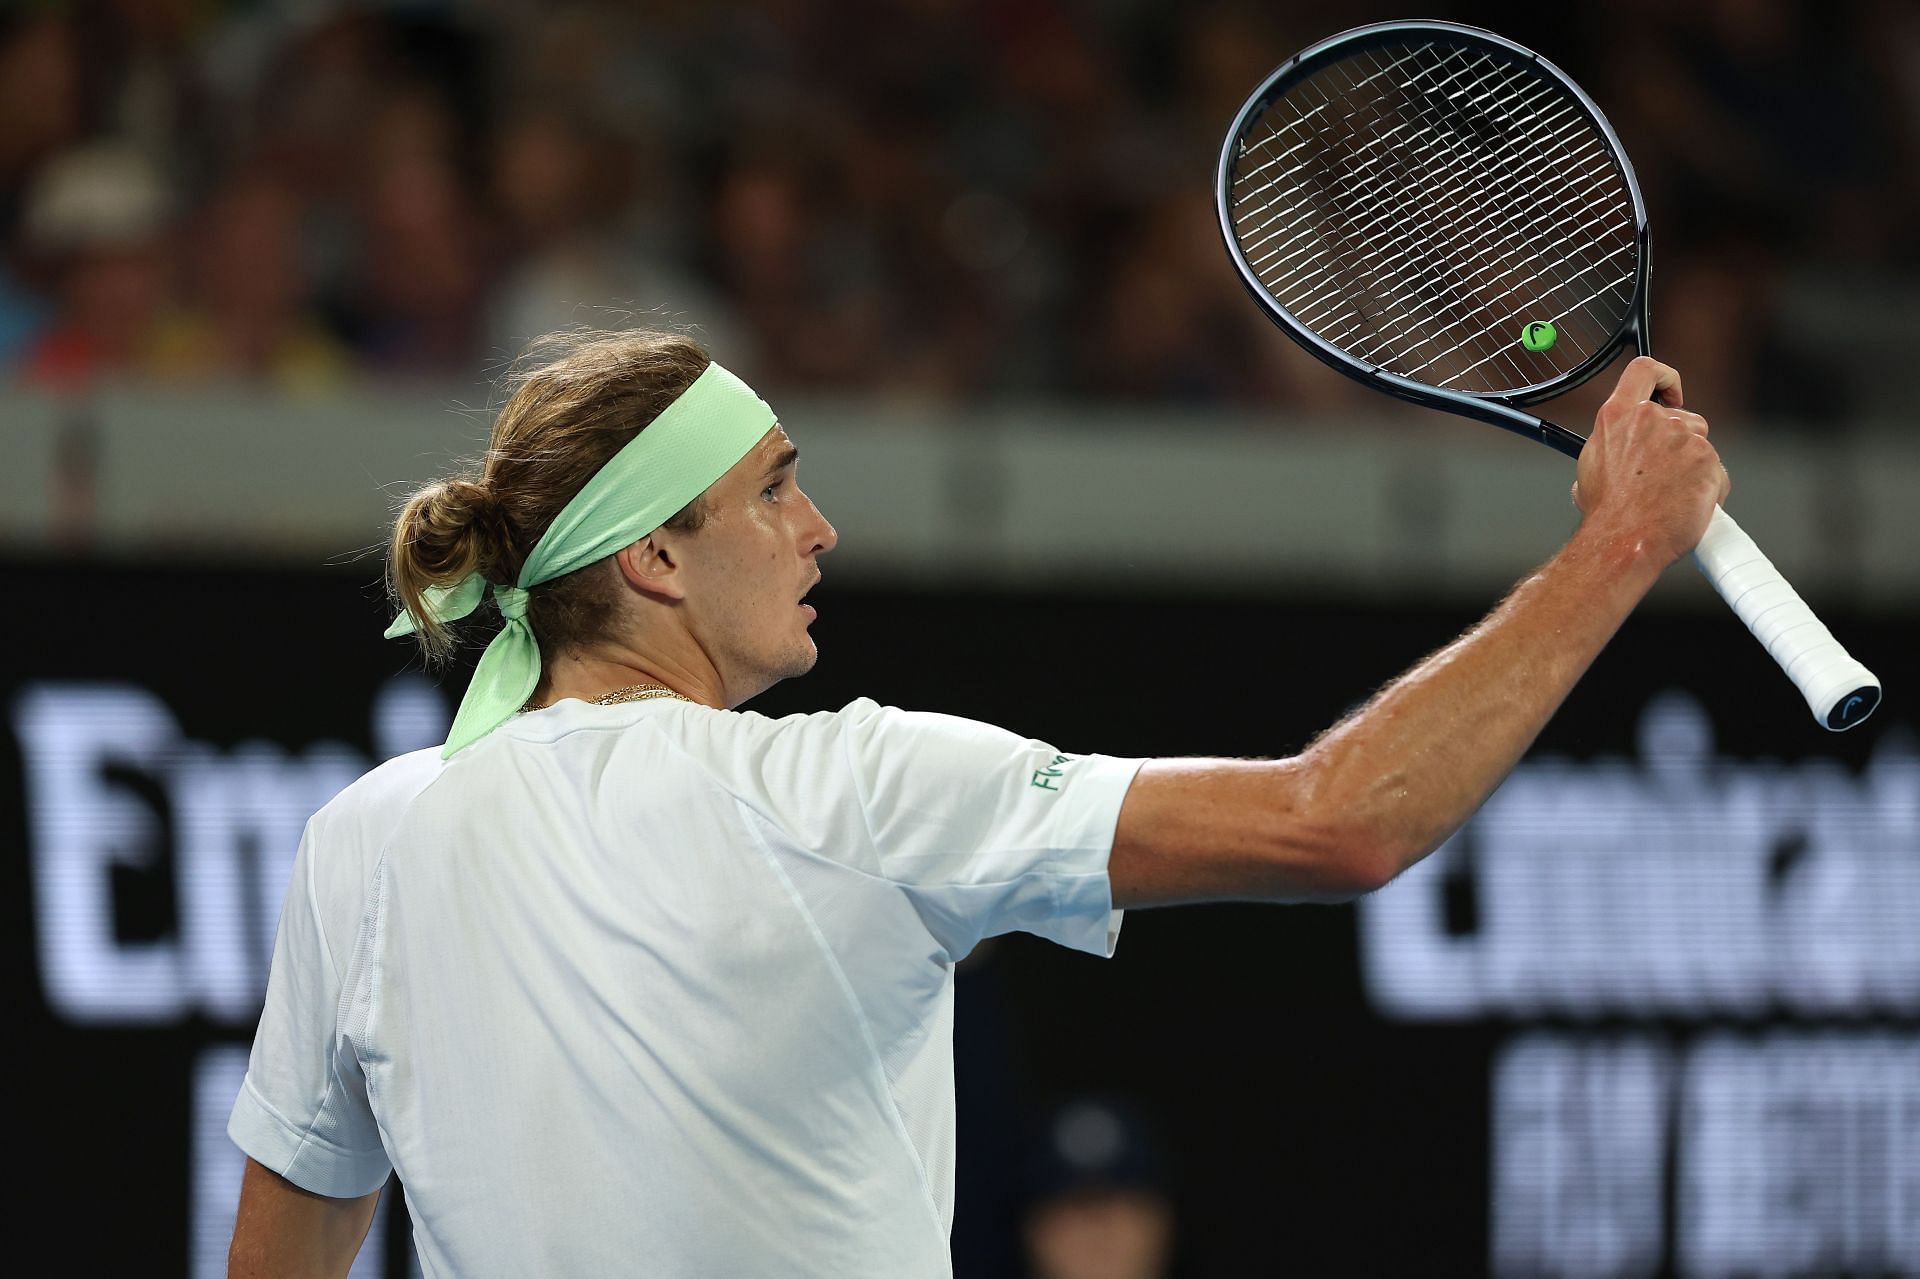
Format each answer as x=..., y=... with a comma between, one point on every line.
x=1840, y=691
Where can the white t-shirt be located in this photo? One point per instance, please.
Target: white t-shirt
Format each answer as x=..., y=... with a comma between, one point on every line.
x=655, y=988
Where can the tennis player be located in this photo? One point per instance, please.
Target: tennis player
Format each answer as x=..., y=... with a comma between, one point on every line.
x=625, y=980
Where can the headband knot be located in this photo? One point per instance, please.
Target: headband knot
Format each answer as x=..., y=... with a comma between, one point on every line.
x=713, y=424
x=512, y=601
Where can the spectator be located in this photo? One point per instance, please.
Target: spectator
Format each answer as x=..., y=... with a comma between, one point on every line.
x=970, y=200
x=95, y=225
x=39, y=96
x=1099, y=1205
x=562, y=188
x=248, y=313
x=418, y=289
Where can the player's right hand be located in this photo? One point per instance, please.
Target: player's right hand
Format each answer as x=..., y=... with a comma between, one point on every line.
x=1648, y=471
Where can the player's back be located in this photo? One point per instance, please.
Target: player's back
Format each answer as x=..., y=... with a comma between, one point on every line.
x=604, y=1032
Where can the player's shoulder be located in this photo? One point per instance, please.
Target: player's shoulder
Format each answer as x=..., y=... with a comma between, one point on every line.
x=753, y=725
x=378, y=797
x=861, y=731
x=721, y=739
x=345, y=837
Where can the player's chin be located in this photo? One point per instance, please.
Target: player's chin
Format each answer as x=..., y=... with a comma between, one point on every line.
x=802, y=658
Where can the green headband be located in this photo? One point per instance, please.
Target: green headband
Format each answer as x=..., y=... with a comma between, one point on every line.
x=713, y=424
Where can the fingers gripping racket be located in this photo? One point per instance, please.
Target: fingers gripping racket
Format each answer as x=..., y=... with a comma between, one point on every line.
x=1445, y=217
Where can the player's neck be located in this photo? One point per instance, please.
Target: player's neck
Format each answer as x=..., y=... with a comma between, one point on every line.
x=587, y=675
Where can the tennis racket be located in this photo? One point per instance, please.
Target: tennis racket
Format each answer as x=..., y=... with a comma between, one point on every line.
x=1445, y=217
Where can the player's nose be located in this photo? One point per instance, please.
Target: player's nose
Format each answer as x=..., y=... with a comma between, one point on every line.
x=821, y=536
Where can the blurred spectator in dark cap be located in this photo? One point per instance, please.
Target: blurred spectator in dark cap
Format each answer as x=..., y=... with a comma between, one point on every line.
x=1098, y=1205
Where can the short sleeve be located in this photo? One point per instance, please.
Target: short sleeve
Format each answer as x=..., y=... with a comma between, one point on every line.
x=986, y=831
x=302, y=1109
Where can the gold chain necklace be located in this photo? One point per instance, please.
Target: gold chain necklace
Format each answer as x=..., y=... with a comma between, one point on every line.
x=631, y=693
x=637, y=693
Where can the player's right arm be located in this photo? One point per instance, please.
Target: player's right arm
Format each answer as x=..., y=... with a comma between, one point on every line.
x=284, y=1232
x=1388, y=784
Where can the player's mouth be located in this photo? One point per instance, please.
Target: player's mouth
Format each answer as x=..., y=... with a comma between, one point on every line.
x=805, y=607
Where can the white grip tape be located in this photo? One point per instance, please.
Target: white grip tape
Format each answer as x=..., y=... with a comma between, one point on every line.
x=1807, y=651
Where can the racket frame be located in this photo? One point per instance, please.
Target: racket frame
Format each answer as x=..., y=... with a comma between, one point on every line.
x=1504, y=408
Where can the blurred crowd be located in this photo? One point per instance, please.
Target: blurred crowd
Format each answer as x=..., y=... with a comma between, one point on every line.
x=940, y=198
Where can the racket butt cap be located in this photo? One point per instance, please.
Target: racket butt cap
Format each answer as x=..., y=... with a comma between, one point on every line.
x=1853, y=709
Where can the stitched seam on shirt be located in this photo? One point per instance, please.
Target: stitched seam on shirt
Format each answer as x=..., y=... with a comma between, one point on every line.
x=372, y=917
x=896, y=1120
x=308, y=1135
x=376, y=922
x=313, y=902
x=333, y=1068
x=366, y=891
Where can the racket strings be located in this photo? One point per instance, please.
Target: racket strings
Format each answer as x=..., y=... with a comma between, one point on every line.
x=1315, y=145
x=1313, y=225
x=1373, y=174
x=1312, y=288
x=1437, y=278
x=1515, y=248
x=1425, y=282
x=1499, y=250
x=1562, y=226
x=1416, y=207
x=1455, y=186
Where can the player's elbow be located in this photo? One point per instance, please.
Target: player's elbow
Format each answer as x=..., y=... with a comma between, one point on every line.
x=1370, y=866
x=1241, y=830
x=1350, y=850
x=1370, y=823
x=1323, y=859
x=1354, y=865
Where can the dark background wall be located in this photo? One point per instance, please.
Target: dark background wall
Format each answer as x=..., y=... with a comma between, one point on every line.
x=1316, y=1122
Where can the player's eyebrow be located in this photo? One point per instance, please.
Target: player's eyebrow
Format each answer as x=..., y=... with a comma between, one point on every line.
x=783, y=459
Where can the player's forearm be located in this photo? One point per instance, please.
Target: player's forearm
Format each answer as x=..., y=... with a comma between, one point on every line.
x=1407, y=769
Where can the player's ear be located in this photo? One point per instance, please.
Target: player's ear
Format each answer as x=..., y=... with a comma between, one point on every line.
x=649, y=566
